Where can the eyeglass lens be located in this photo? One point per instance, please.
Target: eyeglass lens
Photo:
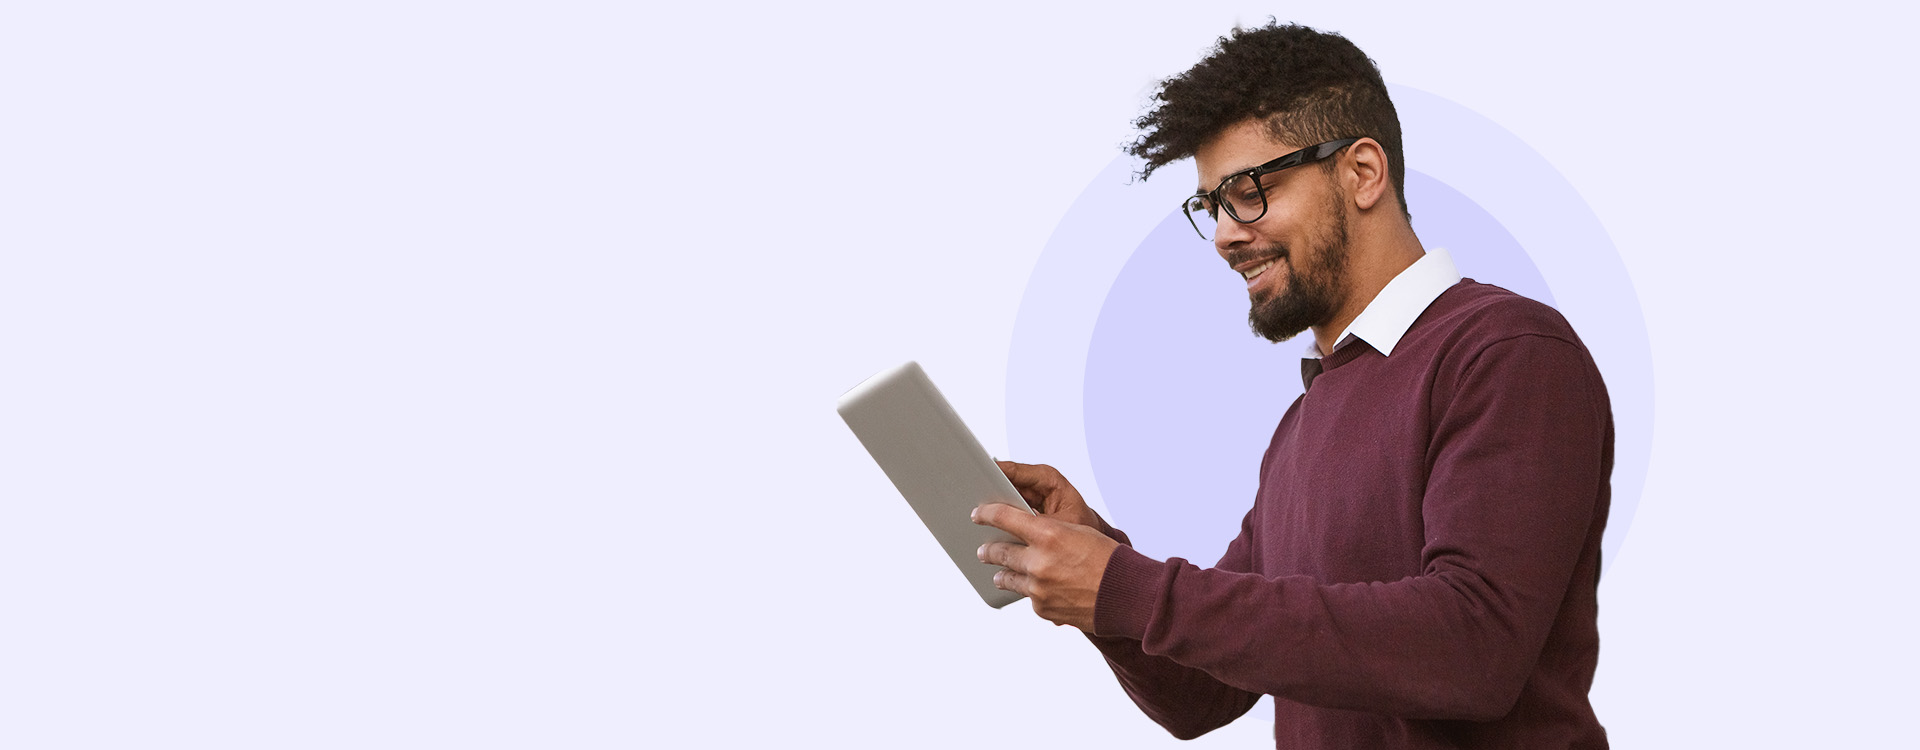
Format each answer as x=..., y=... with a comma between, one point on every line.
x=1199, y=211
x=1240, y=196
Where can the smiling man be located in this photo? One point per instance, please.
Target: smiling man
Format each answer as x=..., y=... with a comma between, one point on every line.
x=1419, y=566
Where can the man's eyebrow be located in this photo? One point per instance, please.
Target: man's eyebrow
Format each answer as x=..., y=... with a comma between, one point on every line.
x=1223, y=178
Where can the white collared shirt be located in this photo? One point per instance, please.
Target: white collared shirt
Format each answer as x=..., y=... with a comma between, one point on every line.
x=1398, y=304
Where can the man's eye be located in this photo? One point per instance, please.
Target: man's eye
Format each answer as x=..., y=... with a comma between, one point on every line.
x=1241, y=189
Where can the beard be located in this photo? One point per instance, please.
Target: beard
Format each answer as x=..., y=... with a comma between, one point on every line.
x=1313, y=289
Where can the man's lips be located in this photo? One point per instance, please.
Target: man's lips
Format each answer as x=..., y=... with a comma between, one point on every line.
x=1255, y=271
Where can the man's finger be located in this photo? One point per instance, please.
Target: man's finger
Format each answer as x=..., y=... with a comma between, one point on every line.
x=1005, y=554
x=1037, y=477
x=1019, y=583
x=1012, y=520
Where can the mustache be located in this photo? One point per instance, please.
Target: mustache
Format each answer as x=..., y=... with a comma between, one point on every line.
x=1237, y=257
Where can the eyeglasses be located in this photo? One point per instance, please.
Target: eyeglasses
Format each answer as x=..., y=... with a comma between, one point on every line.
x=1242, y=193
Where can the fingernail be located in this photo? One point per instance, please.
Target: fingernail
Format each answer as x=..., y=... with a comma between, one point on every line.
x=974, y=516
x=981, y=553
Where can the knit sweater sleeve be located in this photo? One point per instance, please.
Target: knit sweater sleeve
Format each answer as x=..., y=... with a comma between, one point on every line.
x=1516, y=472
x=1187, y=701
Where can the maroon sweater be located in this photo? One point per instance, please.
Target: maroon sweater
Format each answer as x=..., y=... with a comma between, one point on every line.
x=1419, y=567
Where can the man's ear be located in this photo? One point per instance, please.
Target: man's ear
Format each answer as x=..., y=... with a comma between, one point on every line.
x=1365, y=171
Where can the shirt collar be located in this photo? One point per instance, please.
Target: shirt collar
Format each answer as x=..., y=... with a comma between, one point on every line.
x=1387, y=318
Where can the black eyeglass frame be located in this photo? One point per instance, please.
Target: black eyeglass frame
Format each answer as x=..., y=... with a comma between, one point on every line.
x=1306, y=155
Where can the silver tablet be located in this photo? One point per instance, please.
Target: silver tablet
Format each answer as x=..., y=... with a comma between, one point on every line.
x=936, y=463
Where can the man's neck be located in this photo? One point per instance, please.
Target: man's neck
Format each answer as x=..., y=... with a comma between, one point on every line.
x=1370, y=273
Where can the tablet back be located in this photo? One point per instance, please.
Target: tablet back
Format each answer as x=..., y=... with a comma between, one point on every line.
x=936, y=463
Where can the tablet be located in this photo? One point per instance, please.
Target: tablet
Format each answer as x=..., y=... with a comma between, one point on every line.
x=936, y=463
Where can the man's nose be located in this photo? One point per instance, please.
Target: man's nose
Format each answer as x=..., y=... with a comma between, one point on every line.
x=1229, y=234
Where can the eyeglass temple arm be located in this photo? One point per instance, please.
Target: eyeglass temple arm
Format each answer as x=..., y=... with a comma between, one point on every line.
x=1327, y=149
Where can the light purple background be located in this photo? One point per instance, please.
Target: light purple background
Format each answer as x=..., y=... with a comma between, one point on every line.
x=393, y=374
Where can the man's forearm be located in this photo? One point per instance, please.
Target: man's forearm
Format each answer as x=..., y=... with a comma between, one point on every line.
x=1187, y=701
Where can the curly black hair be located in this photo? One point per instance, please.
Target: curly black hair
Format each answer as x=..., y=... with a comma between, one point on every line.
x=1309, y=86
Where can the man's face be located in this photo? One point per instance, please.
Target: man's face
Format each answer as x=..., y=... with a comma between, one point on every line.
x=1301, y=241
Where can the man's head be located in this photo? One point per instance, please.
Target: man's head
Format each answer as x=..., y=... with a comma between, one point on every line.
x=1264, y=93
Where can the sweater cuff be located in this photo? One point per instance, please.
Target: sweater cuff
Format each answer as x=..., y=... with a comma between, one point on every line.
x=1128, y=591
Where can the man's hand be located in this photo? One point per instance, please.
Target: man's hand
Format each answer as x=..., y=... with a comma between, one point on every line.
x=1059, y=567
x=1049, y=493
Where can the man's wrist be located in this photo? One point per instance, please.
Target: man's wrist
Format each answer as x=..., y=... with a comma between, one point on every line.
x=1126, y=595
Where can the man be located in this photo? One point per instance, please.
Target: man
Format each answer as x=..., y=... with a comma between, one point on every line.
x=1419, y=566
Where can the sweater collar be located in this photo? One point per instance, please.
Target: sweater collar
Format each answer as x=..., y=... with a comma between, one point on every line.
x=1386, y=319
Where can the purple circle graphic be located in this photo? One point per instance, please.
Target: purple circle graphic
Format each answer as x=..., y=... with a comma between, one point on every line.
x=1182, y=398
x=1130, y=351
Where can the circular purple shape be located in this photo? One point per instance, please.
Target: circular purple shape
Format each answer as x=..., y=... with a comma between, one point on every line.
x=1182, y=398
x=1052, y=363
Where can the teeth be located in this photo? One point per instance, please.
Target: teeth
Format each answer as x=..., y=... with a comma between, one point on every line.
x=1255, y=271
